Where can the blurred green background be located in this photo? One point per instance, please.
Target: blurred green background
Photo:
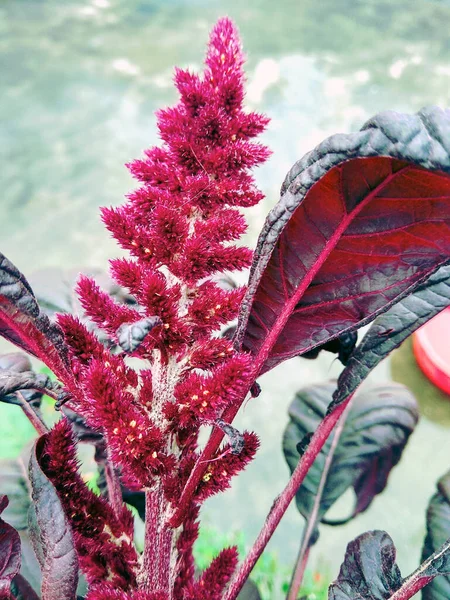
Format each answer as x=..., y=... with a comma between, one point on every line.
x=80, y=81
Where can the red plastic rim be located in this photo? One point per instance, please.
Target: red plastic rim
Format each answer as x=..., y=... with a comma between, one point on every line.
x=431, y=345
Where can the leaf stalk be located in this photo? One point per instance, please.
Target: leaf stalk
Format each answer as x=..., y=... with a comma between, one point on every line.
x=421, y=576
x=281, y=504
x=32, y=414
x=303, y=554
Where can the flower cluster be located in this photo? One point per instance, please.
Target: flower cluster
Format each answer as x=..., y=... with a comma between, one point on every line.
x=104, y=541
x=180, y=227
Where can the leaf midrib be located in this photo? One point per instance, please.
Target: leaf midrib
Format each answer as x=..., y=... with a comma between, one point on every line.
x=329, y=246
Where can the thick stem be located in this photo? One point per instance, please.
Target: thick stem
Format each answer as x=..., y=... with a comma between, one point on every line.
x=156, y=572
x=201, y=465
x=302, y=558
x=411, y=587
x=114, y=489
x=284, y=499
x=421, y=577
x=33, y=416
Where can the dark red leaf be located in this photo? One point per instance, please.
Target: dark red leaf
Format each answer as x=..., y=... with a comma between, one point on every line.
x=362, y=221
x=22, y=590
x=9, y=552
x=370, y=572
x=249, y=591
x=14, y=481
x=343, y=346
x=51, y=535
x=438, y=532
x=16, y=374
x=23, y=323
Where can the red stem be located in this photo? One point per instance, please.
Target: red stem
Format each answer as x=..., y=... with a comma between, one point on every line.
x=114, y=490
x=298, y=575
x=411, y=587
x=284, y=499
x=421, y=576
x=312, y=519
x=32, y=415
x=155, y=574
x=200, y=467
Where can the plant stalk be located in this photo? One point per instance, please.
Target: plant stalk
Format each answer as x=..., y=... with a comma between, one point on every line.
x=217, y=435
x=155, y=574
x=303, y=553
x=411, y=587
x=284, y=499
x=421, y=576
x=199, y=469
x=114, y=489
x=297, y=577
x=33, y=416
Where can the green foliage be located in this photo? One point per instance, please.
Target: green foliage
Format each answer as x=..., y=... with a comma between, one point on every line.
x=15, y=431
x=15, y=428
x=271, y=577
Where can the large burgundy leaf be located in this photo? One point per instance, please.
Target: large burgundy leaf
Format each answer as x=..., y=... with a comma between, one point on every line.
x=22, y=590
x=24, y=324
x=51, y=535
x=363, y=220
x=9, y=552
x=370, y=571
x=14, y=482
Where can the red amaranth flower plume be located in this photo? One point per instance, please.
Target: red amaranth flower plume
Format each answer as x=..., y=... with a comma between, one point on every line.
x=181, y=228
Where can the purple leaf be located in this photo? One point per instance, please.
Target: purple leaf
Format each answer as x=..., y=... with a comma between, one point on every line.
x=343, y=346
x=249, y=591
x=51, y=535
x=9, y=552
x=11, y=382
x=22, y=590
x=16, y=374
x=369, y=570
x=438, y=532
x=131, y=335
x=362, y=221
x=14, y=481
x=23, y=323
x=371, y=444
x=390, y=329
